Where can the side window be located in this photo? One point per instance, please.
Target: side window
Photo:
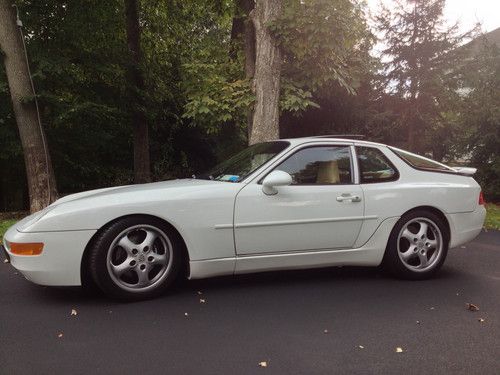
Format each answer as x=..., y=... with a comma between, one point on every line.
x=374, y=166
x=420, y=162
x=319, y=165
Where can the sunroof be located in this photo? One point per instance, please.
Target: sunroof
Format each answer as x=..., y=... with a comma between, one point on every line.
x=359, y=136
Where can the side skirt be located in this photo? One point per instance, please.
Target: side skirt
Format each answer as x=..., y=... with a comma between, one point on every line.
x=370, y=254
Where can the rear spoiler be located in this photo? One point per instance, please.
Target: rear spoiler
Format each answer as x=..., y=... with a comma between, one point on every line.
x=466, y=171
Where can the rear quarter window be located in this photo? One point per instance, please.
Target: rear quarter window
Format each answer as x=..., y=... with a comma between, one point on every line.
x=374, y=166
x=420, y=162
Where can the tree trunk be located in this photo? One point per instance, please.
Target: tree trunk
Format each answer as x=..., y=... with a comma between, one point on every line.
x=266, y=84
x=249, y=48
x=412, y=108
x=142, y=168
x=411, y=123
x=40, y=176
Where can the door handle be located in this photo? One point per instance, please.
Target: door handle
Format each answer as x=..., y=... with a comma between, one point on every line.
x=349, y=197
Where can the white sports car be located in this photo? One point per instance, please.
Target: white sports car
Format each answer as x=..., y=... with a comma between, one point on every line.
x=291, y=203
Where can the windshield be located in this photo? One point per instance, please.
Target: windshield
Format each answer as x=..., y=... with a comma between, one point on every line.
x=245, y=162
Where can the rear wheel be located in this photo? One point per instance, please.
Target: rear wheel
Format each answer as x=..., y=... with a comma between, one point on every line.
x=137, y=257
x=417, y=246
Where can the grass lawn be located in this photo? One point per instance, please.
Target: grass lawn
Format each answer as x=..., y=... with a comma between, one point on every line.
x=492, y=219
x=4, y=225
x=7, y=219
x=493, y=216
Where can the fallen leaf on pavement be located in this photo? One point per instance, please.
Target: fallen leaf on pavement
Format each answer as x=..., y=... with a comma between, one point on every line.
x=73, y=312
x=471, y=307
x=399, y=350
x=263, y=364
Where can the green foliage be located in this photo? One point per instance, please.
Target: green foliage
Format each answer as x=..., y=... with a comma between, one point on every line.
x=478, y=118
x=492, y=216
x=13, y=191
x=79, y=60
x=295, y=99
x=215, y=99
x=197, y=99
x=4, y=225
x=321, y=38
x=77, y=54
x=421, y=51
x=325, y=43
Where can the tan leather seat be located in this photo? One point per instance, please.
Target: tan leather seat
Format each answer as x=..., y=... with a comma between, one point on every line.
x=328, y=172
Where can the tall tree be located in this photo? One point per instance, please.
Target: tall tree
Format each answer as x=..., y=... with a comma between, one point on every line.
x=478, y=115
x=266, y=82
x=142, y=168
x=40, y=176
x=243, y=30
x=419, y=47
x=323, y=44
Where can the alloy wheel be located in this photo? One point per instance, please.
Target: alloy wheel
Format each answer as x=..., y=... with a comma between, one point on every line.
x=420, y=244
x=139, y=258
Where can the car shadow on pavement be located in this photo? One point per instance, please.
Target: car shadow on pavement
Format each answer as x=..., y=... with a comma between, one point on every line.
x=292, y=278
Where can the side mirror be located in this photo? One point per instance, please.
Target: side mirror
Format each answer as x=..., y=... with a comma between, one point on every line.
x=273, y=179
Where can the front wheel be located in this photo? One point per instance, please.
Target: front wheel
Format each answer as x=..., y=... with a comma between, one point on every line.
x=135, y=258
x=417, y=246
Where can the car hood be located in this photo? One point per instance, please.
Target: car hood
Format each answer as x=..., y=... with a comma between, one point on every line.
x=142, y=188
x=136, y=195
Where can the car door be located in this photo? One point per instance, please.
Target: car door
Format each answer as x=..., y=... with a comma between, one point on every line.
x=379, y=179
x=321, y=209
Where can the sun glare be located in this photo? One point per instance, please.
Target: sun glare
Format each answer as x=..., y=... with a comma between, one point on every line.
x=466, y=12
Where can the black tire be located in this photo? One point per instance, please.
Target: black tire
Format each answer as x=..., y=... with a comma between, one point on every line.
x=392, y=261
x=98, y=258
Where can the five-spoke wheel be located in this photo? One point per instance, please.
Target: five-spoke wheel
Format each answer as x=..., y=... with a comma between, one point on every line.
x=417, y=246
x=139, y=257
x=420, y=244
x=135, y=258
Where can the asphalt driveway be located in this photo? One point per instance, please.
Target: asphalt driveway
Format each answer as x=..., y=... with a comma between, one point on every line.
x=329, y=321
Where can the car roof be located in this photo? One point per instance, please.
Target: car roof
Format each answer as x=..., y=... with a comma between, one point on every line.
x=301, y=140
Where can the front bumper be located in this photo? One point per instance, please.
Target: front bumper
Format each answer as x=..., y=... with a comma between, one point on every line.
x=59, y=264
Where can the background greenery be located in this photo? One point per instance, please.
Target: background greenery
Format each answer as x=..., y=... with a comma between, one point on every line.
x=493, y=217
x=197, y=97
x=7, y=220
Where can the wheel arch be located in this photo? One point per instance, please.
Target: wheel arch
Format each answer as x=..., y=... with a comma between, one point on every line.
x=436, y=211
x=85, y=276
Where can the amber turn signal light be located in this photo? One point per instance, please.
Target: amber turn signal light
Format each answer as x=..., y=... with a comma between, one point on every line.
x=26, y=248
